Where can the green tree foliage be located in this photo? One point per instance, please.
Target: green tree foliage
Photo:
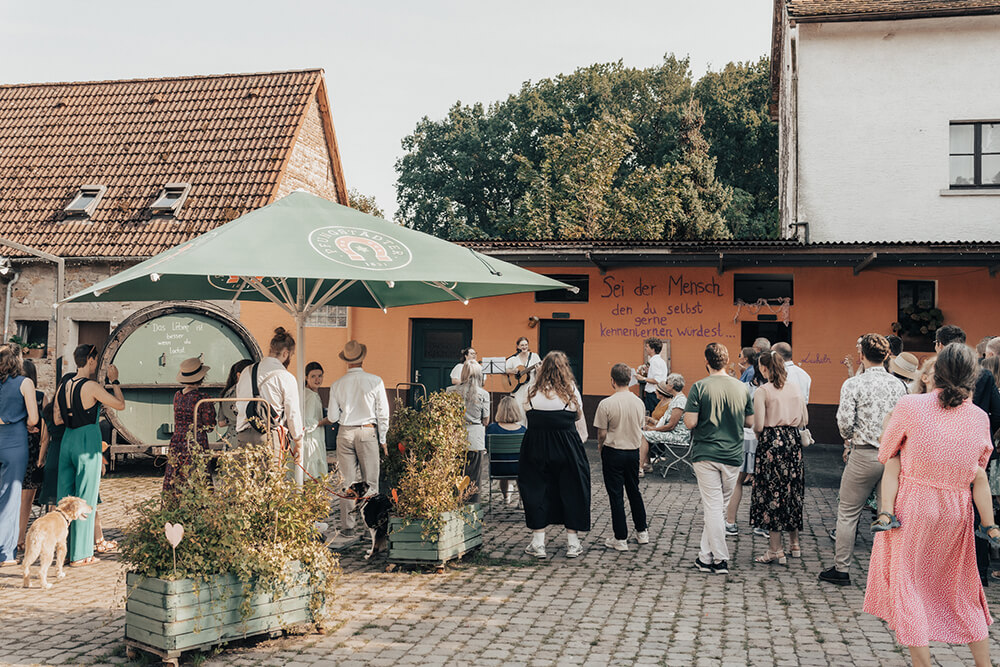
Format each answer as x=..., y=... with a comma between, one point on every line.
x=744, y=140
x=364, y=203
x=605, y=152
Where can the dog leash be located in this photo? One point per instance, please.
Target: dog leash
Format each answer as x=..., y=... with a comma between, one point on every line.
x=327, y=488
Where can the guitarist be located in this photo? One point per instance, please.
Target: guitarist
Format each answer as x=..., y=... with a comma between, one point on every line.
x=521, y=368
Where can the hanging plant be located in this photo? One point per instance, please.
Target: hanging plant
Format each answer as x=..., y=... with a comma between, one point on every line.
x=918, y=321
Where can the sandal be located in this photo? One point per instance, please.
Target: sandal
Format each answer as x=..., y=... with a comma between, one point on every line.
x=983, y=532
x=89, y=560
x=772, y=557
x=642, y=473
x=794, y=551
x=878, y=526
x=106, y=547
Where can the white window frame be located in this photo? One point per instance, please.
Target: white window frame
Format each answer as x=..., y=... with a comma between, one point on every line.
x=163, y=205
x=94, y=190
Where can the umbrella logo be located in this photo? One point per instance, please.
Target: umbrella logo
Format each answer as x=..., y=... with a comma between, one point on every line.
x=359, y=247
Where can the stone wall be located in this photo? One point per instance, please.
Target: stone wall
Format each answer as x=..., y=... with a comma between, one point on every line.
x=34, y=293
x=309, y=166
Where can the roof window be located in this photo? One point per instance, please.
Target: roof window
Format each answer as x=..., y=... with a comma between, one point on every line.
x=171, y=198
x=86, y=200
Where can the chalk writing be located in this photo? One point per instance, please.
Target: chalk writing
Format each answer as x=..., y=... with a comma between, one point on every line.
x=699, y=331
x=815, y=358
x=612, y=287
x=694, y=287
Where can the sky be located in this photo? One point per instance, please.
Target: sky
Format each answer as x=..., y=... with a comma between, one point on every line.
x=388, y=63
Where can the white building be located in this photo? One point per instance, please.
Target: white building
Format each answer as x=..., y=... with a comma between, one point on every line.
x=890, y=119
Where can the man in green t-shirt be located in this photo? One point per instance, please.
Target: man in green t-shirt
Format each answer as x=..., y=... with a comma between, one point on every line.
x=718, y=407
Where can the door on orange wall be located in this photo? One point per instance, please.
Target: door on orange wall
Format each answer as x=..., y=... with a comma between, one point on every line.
x=565, y=336
x=776, y=332
x=436, y=347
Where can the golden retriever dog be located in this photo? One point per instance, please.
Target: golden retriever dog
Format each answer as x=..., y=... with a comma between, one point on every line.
x=47, y=537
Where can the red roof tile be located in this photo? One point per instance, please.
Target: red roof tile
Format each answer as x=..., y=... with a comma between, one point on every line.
x=887, y=9
x=228, y=136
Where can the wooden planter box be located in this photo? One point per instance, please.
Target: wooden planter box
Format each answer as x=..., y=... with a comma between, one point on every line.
x=34, y=353
x=460, y=533
x=170, y=617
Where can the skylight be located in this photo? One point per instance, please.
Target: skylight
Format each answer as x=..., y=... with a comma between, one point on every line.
x=171, y=198
x=86, y=200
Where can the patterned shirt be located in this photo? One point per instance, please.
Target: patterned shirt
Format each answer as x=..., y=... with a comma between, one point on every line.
x=865, y=401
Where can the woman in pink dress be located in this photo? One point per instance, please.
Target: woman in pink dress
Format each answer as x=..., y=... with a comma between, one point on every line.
x=923, y=579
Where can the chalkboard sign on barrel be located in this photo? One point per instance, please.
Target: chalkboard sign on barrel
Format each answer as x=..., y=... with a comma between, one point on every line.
x=148, y=348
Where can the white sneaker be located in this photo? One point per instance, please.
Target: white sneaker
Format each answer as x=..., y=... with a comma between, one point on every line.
x=537, y=552
x=617, y=545
x=507, y=499
x=574, y=550
x=732, y=529
x=642, y=537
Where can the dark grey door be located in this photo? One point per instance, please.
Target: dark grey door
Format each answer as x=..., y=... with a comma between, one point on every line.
x=436, y=345
x=565, y=336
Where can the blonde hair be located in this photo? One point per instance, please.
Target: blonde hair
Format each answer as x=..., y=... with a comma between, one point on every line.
x=471, y=381
x=918, y=386
x=508, y=411
x=555, y=377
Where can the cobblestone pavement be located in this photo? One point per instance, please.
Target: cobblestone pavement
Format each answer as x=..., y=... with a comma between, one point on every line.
x=644, y=606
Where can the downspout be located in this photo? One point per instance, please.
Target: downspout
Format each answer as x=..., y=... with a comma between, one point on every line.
x=795, y=116
x=6, y=305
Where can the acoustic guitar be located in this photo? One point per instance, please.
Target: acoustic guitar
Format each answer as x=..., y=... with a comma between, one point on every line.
x=520, y=375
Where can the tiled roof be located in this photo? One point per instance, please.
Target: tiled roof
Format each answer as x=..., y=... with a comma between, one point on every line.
x=887, y=9
x=229, y=136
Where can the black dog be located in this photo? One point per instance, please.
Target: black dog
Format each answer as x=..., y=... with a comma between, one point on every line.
x=374, y=511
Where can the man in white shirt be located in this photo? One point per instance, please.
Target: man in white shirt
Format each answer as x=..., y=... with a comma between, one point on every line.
x=795, y=373
x=276, y=386
x=656, y=372
x=359, y=403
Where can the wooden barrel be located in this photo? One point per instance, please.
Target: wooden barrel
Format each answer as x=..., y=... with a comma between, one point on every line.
x=148, y=348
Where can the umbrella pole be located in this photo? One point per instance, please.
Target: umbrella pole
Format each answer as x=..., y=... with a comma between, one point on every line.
x=300, y=376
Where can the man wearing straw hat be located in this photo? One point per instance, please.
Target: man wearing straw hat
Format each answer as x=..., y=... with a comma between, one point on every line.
x=359, y=403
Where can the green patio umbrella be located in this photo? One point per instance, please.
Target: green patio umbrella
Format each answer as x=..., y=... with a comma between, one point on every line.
x=303, y=252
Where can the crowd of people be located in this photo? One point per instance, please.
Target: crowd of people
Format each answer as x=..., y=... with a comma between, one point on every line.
x=917, y=437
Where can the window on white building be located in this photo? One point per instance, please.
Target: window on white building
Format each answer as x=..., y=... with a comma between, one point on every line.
x=974, y=155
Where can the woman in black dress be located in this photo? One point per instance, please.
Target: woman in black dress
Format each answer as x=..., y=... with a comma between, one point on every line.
x=553, y=475
x=37, y=444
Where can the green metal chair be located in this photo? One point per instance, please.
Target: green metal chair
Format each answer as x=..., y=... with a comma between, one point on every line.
x=498, y=444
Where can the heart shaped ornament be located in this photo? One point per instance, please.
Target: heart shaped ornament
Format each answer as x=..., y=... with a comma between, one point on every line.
x=174, y=533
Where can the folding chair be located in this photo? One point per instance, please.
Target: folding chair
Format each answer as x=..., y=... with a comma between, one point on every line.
x=498, y=445
x=669, y=454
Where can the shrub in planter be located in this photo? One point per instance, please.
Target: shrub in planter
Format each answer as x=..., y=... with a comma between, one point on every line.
x=249, y=540
x=424, y=468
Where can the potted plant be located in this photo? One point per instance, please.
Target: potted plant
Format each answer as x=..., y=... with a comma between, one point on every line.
x=431, y=522
x=247, y=558
x=30, y=350
x=916, y=326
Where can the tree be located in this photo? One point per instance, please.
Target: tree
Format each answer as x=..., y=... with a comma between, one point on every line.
x=605, y=152
x=744, y=140
x=364, y=203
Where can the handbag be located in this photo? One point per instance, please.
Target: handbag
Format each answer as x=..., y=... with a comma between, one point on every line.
x=806, y=437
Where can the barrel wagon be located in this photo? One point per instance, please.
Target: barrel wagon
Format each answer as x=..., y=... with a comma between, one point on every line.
x=148, y=348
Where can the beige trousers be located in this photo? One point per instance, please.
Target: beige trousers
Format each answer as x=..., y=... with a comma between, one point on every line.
x=861, y=474
x=357, y=451
x=716, y=482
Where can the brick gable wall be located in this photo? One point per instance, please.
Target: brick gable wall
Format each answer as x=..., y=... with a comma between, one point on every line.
x=310, y=166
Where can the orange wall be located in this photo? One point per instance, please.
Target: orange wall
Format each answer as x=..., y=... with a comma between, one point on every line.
x=832, y=307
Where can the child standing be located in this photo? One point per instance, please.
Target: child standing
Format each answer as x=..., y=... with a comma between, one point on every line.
x=619, y=421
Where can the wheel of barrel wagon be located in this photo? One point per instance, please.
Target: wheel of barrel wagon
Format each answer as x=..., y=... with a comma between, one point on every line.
x=148, y=348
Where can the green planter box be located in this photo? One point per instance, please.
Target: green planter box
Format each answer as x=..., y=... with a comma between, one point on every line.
x=460, y=533
x=176, y=616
